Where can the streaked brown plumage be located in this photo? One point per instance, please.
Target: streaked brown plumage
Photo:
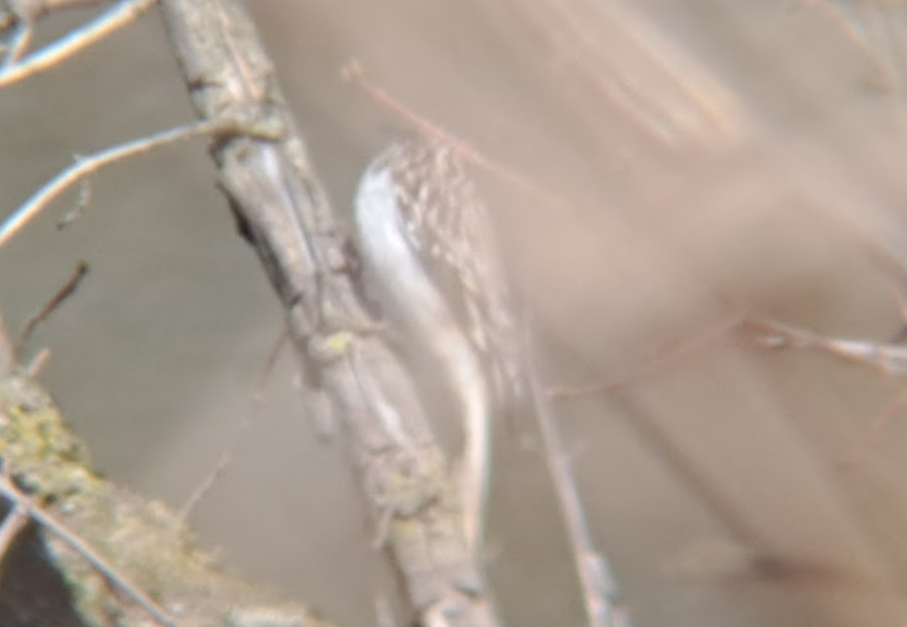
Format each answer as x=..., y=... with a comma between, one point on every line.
x=431, y=259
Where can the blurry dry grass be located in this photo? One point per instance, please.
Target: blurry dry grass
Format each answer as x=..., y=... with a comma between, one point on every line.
x=682, y=188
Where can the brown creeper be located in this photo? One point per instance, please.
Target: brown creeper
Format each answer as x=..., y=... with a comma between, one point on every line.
x=430, y=257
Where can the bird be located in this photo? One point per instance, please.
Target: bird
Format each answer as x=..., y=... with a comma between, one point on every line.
x=431, y=261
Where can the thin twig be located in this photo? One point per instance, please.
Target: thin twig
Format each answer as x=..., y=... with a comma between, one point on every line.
x=37, y=363
x=33, y=10
x=19, y=44
x=223, y=463
x=208, y=482
x=874, y=430
x=56, y=300
x=889, y=359
x=14, y=14
x=844, y=24
x=354, y=73
x=267, y=370
x=13, y=524
x=601, y=594
x=76, y=40
x=7, y=350
x=20, y=500
x=92, y=163
x=49, y=6
x=667, y=358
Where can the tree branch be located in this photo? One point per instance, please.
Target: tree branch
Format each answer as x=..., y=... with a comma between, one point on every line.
x=117, y=554
x=284, y=213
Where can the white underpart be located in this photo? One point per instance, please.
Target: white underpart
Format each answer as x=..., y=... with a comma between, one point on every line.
x=410, y=299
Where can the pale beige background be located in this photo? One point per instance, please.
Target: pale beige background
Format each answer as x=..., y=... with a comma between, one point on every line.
x=759, y=164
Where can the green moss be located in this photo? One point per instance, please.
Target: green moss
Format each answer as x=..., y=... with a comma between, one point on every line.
x=145, y=541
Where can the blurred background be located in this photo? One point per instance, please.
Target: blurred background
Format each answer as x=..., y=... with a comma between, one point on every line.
x=659, y=167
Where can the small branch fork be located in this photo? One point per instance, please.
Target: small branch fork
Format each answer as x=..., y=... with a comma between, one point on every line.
x=86, y=166
x=888, y=359
x=21, y=16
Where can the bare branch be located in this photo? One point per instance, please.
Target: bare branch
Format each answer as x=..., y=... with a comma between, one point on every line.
x=601, y=594
x=284, y=212
x=7, y=350
x=73, y=42
x=85, y=166
x=56, y=300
